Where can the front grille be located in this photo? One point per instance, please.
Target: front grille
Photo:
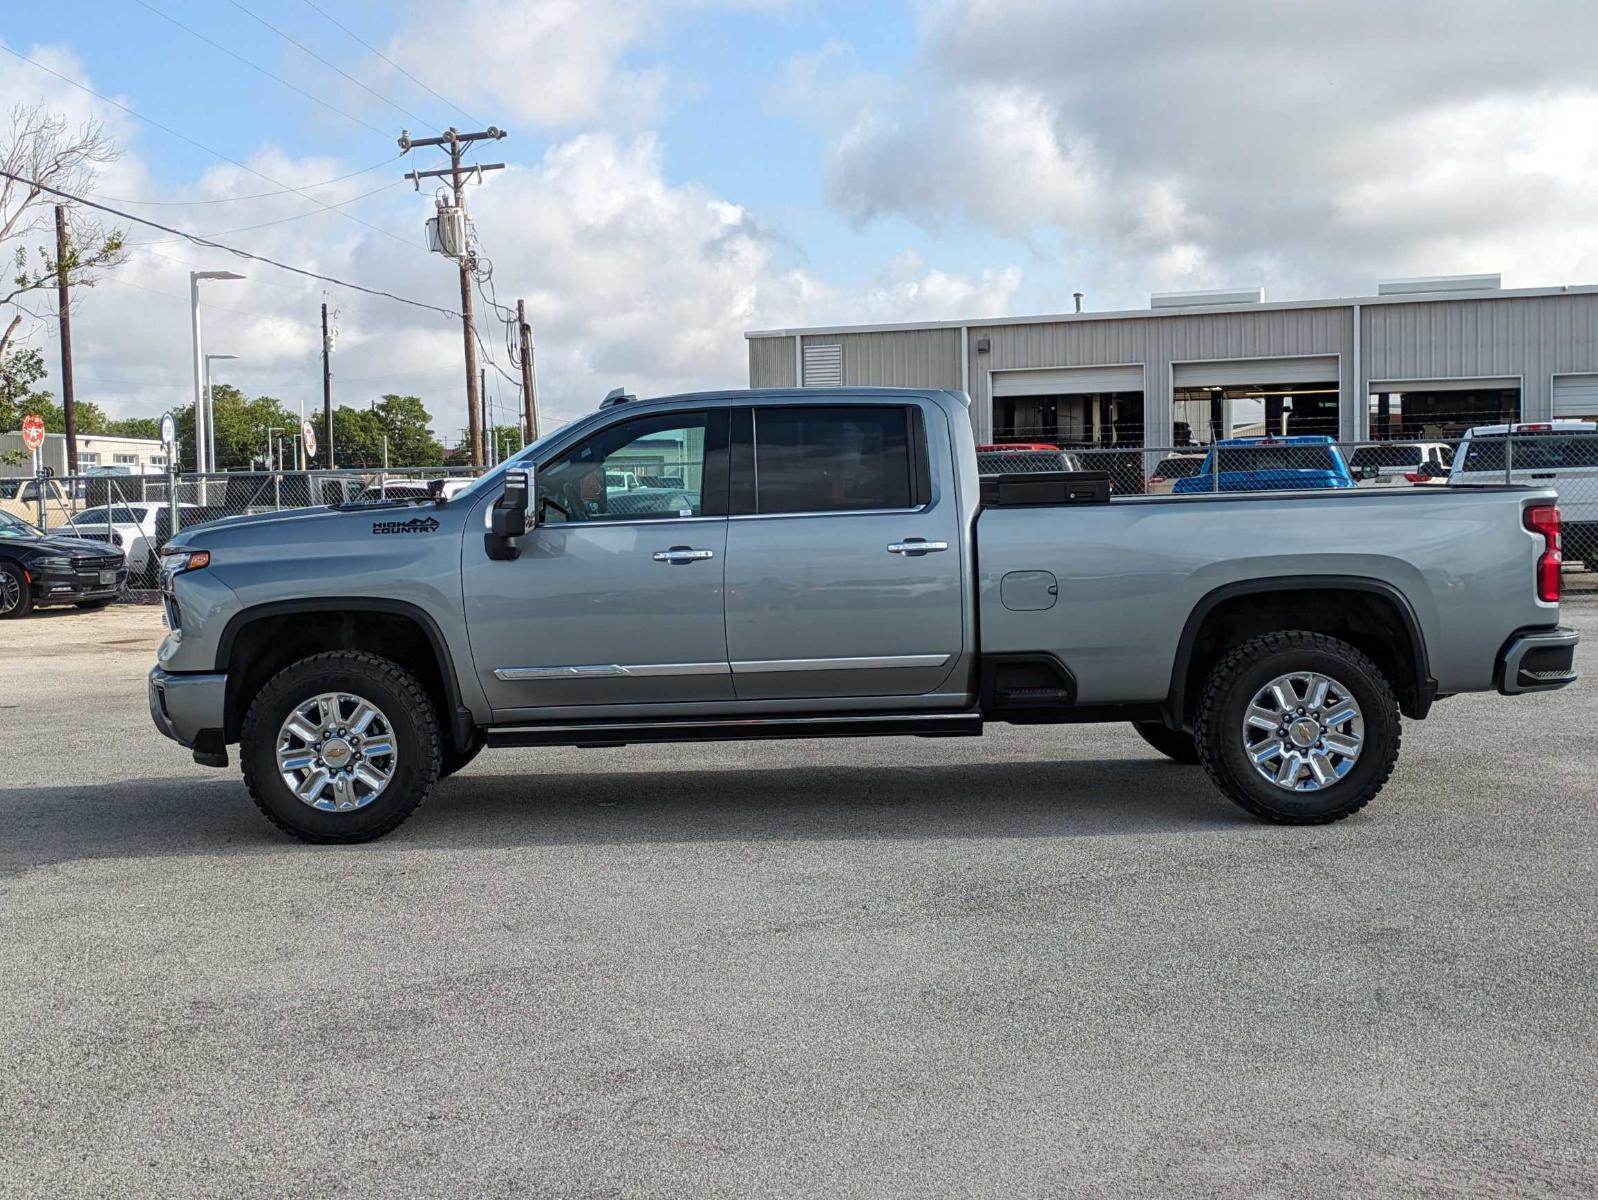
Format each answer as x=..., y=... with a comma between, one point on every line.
x=104, y=563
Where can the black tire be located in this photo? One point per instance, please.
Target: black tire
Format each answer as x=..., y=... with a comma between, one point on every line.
x=452, y=760
x=92, y=605
x=414, y=726
x=1225, y=703
x=15, y=584
x=1176, y=744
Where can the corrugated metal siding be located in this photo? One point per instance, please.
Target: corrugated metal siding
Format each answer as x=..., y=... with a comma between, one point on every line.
x=1531, y=337
x=928, y=358
x=771, y=362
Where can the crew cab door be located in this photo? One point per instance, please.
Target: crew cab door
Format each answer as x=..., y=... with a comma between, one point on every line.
x=844, y=554
x=616, y=597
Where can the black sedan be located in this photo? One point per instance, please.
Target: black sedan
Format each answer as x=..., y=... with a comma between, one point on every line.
x=43, y=568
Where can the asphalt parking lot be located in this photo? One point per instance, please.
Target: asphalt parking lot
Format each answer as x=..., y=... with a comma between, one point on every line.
x=1042, y=963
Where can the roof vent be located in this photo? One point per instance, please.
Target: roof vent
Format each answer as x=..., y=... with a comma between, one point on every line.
x=1207, y=299
x=1440, y=283
x=617, y=396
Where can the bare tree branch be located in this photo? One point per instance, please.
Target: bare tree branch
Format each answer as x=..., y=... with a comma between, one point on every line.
x=46, y=151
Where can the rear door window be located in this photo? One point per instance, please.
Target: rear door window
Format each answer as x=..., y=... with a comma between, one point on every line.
x=834, y=459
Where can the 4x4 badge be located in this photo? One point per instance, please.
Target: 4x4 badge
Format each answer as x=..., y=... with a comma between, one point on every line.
x=414, y=525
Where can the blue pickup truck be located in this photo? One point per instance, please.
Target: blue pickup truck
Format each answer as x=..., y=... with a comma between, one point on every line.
x=1260, y=464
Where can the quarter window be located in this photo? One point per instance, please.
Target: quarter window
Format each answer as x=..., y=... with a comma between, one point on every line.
x=651, y=469
x=832, y=459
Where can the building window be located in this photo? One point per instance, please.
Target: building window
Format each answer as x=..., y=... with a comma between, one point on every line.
x=88, y=460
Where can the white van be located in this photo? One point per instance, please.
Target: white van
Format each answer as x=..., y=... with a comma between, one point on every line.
x=1558, y=454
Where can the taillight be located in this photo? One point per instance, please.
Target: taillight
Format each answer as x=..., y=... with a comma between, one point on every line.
x=1156, y=478
x=1544, y=519
x=1417, y=478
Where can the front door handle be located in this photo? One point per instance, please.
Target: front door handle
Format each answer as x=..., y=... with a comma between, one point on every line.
x=682, y=554
x=916, y=547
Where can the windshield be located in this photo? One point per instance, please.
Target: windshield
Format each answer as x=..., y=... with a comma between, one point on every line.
x=1386, y=456
x=15, y=529
x=1178, y=468
x=120, y=515
x=1277, y=458
x=1533, y=451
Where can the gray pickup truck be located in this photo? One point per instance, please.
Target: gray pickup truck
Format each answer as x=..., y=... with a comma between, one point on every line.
x=829, y=563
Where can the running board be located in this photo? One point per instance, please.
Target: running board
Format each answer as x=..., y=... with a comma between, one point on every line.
x=737, y=729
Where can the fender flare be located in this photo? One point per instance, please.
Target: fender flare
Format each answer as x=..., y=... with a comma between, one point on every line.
x=461, y=722
x=1416, y=704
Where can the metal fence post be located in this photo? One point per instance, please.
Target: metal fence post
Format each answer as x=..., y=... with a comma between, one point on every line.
x=1509, y=457
x=172, y=493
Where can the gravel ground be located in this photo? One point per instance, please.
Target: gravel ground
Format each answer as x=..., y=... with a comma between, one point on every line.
x=1042, y=963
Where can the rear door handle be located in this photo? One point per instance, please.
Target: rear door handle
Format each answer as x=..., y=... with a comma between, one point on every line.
x=682, y=554
x=1543, y=475
x=916, y=546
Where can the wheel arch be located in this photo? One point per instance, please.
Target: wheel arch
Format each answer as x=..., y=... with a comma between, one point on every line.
x=265, y=638
x=1395, y=639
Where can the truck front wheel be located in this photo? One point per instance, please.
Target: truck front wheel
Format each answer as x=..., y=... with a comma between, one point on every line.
x=340, y=747
x=1298, y=728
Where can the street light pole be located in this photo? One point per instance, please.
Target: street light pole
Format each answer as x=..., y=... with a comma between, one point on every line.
x=210, y=409
x=202, y=441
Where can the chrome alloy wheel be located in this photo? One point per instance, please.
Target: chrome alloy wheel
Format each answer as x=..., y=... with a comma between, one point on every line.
x=10, y=591
x=1303, y=731
x=336, y=752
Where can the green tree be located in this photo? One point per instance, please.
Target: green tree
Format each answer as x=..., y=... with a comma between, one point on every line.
x=19, y=371
x=241, y=428
x=358, y=434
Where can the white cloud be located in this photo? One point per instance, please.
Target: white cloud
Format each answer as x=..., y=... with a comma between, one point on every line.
x=1166, y=144
x=629, y=279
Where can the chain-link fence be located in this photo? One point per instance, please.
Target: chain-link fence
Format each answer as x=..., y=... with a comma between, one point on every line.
x=1564, y=460
x=138, y=514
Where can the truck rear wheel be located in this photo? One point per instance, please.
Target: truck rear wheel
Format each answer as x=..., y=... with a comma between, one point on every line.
x=340, y=747
x=1176, y=744
x=1298, y=728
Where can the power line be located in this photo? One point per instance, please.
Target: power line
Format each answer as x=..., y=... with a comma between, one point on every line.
x=284, y=220
x=335, y=21
x=214, y=44
x=132, y=112
x=202, y=241
x=251, y=196
x=331, y=66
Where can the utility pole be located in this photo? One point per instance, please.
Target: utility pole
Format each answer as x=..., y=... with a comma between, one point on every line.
x=529, y=396
x=465, y=259
x=327, y=387
x=69, y=405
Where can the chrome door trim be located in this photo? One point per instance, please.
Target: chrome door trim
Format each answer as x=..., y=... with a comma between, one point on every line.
x=608, y=671
x=915, y=547
x=881, y=662
x=830, y=512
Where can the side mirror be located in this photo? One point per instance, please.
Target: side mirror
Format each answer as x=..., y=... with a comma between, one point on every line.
x=508, y=518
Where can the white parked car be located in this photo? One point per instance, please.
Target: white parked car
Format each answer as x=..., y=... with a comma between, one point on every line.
x=138, y=528
x=1558, y=454
x=1402, y=462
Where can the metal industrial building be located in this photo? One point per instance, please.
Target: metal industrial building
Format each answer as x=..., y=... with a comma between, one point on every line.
x=1422, y=358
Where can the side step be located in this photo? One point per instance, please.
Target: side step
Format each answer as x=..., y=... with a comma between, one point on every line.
x=737, y=729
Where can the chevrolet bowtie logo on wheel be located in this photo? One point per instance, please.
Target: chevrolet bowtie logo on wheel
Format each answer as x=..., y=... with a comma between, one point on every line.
x=414, y=525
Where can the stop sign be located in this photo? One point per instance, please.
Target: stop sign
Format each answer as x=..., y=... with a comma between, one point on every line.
x=33, y=431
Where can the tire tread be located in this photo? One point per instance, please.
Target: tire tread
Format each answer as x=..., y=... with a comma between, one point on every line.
x=1222, y=678
x=397, y=677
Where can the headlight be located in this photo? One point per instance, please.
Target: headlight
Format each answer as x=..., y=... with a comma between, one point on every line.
x=177, y=562
x=54, y=564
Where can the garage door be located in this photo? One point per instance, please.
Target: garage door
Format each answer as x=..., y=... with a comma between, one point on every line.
x=1320, y=368
x=1068, y=381
x=1576, y=395
x=1498, y=384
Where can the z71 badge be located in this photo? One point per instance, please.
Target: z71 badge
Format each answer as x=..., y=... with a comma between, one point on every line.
x=414, y=525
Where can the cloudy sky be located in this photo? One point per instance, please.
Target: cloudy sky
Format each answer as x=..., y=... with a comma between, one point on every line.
x=683, y=170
